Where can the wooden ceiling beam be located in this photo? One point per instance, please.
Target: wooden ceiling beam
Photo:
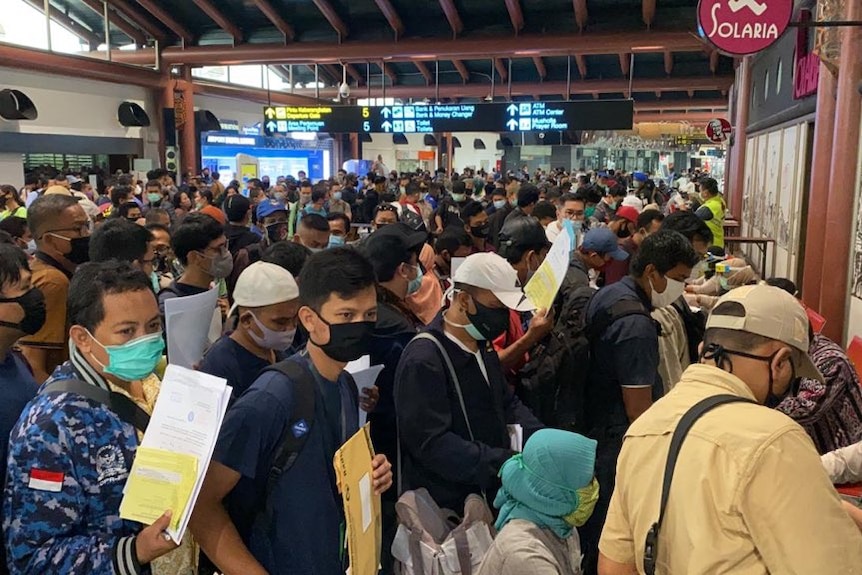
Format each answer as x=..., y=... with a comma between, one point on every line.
x=668, y=62
x=141, y=20
x=452, y=15
x=220, y=19
x=391, y=16
x=272, y=14
x=138, y=37
x=390, y=73
x=167, y=19
x=713, y=61
x=625, y=64
x=581, y=61
x=89, y=36
x=581, y=13
x=462, y=69
x=426, y=73
x=331, y=15
x=540, y=67
x=501, y=69
x=355, y=74
x=516, y=15
x=648, y=9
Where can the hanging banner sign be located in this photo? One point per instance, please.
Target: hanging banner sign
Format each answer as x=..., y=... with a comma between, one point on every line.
x=740, y=27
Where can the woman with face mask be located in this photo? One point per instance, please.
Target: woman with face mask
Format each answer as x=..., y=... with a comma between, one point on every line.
x=548, y=491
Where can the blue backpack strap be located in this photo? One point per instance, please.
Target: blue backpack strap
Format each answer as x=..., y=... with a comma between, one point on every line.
x=126, y=409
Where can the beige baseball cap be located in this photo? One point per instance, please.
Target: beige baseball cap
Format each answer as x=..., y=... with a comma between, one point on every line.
x=772, y=313
x=493, y=273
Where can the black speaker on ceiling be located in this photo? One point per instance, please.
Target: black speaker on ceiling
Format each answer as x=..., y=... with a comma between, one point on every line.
x=429, y=140
x=478, y=144
x=15, y=105
x=206, y=121
x=132, y=115
x=169, y=126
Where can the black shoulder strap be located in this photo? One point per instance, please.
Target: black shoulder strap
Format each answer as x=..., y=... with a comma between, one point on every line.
x=298, y=426
x=685, y=424
x=125, y=408
x=619, y=310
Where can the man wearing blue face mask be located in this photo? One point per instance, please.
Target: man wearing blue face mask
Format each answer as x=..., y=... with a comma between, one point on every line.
x=339, y=228
x=266, y=301
x=73, y=447
x=623, y=379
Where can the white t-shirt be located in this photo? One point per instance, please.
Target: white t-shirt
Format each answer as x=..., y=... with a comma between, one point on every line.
x=553, y=230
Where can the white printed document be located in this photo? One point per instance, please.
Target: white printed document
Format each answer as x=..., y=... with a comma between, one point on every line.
x=188, y=323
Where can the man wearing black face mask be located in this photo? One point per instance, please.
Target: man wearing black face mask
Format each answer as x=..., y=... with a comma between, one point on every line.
x=755, y=347
x=61, y=229
x=247, y=523
x=477, y=225
x=22, y=312
x=447, y=450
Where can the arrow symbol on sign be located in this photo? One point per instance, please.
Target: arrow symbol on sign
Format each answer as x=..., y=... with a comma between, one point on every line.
x=512, y=109
x=271, y=126
x=512, y=124
x=269, y=113
x=385, y=112
x=386, y=126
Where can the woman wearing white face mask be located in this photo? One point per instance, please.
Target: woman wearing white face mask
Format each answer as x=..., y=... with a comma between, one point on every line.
x=266, y=301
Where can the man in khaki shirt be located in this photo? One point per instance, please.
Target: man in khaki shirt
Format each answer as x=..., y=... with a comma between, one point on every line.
x=749, y=495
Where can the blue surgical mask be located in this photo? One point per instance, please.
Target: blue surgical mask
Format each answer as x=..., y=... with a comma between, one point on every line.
x=514, y=202
x=458, y=198
x=415, y=283
x=499, y=204
x=336, y=241
x=336, y=196
x=154, y=278
x=135, y=359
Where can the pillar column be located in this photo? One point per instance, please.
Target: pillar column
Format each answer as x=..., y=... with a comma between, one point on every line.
x=818, y=196
x=12, y=169
x=188, y=139
x=740, y=133
x=840, y=215
x=354, y=146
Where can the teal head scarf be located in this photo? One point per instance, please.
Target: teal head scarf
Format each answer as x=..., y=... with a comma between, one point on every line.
x=541, y=484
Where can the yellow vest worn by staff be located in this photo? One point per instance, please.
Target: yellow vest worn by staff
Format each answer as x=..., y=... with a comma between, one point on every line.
x=716, y=223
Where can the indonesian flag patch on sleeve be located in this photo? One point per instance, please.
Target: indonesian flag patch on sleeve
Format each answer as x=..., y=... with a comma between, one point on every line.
x=45, y=480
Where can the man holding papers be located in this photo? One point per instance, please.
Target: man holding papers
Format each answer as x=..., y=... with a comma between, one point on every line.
x=252, y=519
x=70, y=453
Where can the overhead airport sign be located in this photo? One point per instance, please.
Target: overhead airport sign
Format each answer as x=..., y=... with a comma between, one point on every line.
x=740, y=27
x=431, y=118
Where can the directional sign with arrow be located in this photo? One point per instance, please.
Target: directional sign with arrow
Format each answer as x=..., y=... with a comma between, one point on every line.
x=512, y=109
x=271, y=126
x=512, y=125
x=269, y=113
x=385, y=112
x=387, y=126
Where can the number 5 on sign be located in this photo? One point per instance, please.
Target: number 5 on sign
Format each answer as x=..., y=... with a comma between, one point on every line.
x=365, y=112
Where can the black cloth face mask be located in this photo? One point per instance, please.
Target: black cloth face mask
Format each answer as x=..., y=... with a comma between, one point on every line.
x=717, y=353
x=347, y=341
x=33, y=304
x=491, y=322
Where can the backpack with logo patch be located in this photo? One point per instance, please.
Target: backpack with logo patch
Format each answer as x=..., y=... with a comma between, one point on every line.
x=553, y=383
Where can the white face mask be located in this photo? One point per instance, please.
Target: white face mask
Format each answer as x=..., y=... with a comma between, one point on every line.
x=275, y=340
x=671, y=293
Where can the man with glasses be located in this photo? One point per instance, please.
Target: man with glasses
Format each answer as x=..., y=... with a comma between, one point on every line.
x=384, y=215
x=573, y=207
x=61, y=229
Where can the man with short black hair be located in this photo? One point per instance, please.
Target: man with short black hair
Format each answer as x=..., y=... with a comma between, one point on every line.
x=237, y=209
x=476, y=224
x=623, y=380
x=70, y=453
x=692, y=227
x=313, y=232
x=749, y=493
x=22, y=312
x=119, y=239
x=454, y=242
x=339, y=228
x=648, y=222
x=573, y=208
x=528, y=197
x=251, y=522
x=288, y=255
x=61, y=230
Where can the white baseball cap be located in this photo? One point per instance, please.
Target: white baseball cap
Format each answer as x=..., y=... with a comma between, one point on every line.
x=262, y=284
x=493, y=273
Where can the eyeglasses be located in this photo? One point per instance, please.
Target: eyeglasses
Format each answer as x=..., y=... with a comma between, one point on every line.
x=82, y=230
x=387, y=208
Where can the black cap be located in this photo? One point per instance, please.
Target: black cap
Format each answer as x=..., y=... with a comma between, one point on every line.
x=236, y=207
x=390, y=246
x=524, y=232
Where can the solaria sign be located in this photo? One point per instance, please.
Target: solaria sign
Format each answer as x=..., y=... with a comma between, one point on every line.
x=740, y=27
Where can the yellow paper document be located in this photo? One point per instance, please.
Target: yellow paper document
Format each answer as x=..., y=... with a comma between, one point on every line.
x=159, y=480
x=361, y=506
x=545, y=283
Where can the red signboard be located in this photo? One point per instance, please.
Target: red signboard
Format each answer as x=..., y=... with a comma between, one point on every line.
x=740, y=27
x=806, y=69
x=718, y=130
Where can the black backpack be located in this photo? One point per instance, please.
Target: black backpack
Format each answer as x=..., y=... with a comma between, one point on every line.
x=554, y=382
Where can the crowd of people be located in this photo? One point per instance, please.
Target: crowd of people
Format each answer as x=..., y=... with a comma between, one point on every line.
x=425, y=274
